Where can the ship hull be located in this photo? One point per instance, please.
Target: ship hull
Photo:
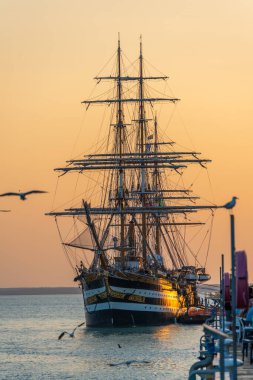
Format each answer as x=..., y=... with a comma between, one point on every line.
x=129, y=300
x=117, y=318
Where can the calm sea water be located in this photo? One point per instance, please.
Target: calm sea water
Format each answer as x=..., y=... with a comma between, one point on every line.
x=30, y=349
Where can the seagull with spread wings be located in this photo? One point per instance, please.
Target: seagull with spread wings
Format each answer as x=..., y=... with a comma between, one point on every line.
x=21, y=195
x=72, y=334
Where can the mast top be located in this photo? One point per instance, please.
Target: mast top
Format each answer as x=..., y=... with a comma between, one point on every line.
x=119, y=40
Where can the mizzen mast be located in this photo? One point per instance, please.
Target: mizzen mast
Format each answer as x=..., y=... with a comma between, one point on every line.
x=155, y=185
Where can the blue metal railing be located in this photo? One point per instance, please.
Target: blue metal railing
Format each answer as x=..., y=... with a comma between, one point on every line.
x=204, y=367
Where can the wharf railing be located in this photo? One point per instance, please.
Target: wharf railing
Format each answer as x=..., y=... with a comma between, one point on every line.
x=208, y=348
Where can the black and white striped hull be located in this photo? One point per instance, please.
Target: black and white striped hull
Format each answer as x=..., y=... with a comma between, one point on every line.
x=116, y=301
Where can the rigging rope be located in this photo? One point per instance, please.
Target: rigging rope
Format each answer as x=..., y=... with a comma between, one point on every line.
x=63, y=246
x=209, y=242
x=55, y=191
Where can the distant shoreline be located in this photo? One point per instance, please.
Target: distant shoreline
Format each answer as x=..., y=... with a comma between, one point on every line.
x=38, y=291
x=63, y=290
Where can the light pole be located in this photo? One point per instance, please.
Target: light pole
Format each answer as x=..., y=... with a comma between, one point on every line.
x=229, y=206
x=232, y=233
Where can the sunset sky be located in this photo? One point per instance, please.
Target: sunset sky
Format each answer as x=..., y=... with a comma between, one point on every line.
x=51, y=50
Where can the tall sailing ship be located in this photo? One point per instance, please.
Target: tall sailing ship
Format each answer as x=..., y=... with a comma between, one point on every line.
x=139, y=272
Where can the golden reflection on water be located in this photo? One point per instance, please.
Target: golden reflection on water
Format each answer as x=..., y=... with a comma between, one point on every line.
x=165, y=332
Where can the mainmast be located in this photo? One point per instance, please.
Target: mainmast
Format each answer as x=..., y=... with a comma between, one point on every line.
x=142, y=126
x=120, y=144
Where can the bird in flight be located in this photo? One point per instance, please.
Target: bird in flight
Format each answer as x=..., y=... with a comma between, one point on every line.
x=129, y=362
x=230, y=204
x=23, y=196
x=72, y=334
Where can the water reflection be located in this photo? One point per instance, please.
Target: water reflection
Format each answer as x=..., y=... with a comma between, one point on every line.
x=30, y=347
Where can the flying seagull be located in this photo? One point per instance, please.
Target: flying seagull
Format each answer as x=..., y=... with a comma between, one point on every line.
x=230, y=204
x=129, y=362
x=23, y=195
x=72, y=334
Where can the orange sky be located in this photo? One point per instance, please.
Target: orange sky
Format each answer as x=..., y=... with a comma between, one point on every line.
x=51, y=50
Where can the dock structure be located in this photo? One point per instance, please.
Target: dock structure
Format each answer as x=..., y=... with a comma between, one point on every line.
x=226, y=348
x=216, y=358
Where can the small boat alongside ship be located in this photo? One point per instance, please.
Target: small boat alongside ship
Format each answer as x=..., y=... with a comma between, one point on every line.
x=139, y=272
